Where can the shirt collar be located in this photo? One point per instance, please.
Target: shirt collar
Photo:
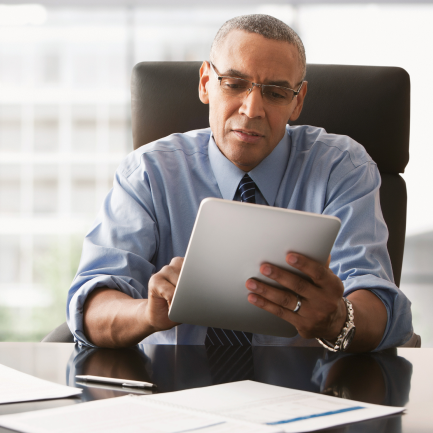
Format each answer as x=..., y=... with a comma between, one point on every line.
x=267, y=175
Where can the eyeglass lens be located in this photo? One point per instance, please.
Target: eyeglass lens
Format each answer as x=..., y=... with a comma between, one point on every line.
x=273, y=94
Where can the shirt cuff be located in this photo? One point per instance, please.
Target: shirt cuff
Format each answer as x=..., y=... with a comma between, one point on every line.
x=399, y=317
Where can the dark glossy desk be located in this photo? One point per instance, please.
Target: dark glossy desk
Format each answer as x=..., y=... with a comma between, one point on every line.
x=401, y=377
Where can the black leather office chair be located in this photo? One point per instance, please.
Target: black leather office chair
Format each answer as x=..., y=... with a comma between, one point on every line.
x=370, y=104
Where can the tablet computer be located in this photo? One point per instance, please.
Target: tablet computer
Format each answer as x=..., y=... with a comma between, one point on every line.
x=229, y=242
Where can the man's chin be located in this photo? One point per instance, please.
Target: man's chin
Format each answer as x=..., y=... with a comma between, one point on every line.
x=244, y=162
x=245, y=156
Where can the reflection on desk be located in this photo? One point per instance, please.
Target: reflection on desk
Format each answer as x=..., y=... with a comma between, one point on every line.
x=381, y=378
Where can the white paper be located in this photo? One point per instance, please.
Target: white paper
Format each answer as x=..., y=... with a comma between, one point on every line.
x=233, y=407
x=128, y=414
x=290, y=410
x=16, y=386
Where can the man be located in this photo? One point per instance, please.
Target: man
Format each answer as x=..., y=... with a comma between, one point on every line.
x=133, y=254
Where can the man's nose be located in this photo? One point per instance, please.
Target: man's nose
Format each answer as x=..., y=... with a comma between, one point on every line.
x=252, y=104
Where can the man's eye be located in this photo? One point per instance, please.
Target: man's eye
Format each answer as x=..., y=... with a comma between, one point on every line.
x=277, y=94
x=234, y=84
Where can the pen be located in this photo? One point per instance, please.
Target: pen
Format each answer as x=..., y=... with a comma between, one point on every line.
x=134, y=390
x=123, y=382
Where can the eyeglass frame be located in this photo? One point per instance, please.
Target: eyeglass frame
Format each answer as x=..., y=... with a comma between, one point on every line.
x=260, y=86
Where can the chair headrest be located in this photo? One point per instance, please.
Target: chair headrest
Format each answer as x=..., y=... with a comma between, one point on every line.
x=368, y=103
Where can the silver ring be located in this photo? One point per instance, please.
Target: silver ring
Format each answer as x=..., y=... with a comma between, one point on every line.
x=298, y=305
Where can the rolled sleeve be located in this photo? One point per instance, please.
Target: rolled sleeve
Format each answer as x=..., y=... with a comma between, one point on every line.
x=360, y=255
x=116, y=252
x=398, y=308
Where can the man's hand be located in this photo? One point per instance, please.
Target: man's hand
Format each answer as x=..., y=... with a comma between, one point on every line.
x=114, y=319
x=323, y=312
x=160, y=294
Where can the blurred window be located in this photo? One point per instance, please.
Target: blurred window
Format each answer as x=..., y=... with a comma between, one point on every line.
x=11, y=69
x=45, y=196
x=84, y=196
x=9, y=259
x=10, y=189
x=42, y=245
x=83, y=190
x=118, y=133
x=10, y=128
x=116, y=70
x=45, y=189
x=9, y=196
x=83, y=129
x=46, y=128
x=46, y=135
x=86, y=68
x=10, y=135
x=50, y=69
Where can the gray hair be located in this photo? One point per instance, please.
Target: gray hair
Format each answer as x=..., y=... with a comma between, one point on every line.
x=265, y=25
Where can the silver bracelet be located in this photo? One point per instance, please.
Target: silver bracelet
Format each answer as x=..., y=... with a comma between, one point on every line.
x=346, y=334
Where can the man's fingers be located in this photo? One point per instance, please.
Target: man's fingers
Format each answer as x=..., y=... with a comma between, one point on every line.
x=160, y=287
x=288, y=279
x=273, y=308
x=321, y=298
x=283, y=298
x=319, y=273
x=161, y=293
x=177, y=262
x=171, y=272
x=163, y=283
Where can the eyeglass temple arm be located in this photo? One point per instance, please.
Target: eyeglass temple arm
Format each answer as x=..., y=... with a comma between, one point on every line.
x=296, y=92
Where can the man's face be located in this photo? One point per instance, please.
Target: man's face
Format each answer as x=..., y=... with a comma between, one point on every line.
x=246, y=129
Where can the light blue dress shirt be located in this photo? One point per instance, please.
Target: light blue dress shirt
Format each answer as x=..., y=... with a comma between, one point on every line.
x=148, y=216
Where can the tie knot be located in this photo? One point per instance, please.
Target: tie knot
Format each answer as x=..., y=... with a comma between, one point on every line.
x=247, y=189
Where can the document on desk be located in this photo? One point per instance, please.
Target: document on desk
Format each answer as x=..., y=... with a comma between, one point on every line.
x=239, y=406
x=289, y=409
x=127, y=415
x=16, y=387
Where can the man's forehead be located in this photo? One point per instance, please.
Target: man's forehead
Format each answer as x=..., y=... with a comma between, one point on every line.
x=242, y=54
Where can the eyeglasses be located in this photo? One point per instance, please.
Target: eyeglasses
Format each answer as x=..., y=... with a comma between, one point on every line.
x=275, y=95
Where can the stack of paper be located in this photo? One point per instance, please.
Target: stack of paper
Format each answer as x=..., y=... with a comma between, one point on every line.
x=240, y=406
x=16, y=386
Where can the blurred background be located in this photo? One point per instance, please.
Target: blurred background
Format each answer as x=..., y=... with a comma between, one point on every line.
x=65, y=122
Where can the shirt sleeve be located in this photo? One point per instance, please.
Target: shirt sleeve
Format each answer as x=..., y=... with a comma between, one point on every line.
x=117, y=251
x=360, y=255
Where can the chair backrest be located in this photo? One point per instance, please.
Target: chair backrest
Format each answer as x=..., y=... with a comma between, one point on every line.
x=370, y=104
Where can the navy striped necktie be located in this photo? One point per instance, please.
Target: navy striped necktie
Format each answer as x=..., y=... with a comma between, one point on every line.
x=247, y=189
x=227, y=337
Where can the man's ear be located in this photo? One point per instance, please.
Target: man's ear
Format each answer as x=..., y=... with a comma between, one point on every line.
x=203, y=83
x=299, y=102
